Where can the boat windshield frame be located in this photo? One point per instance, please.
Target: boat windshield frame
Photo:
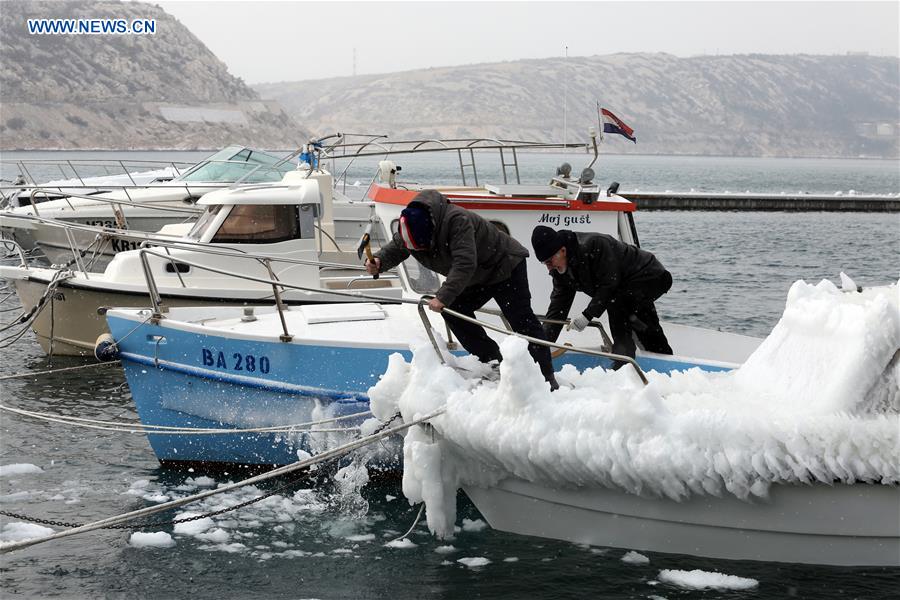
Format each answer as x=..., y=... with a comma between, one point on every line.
x=238, y=164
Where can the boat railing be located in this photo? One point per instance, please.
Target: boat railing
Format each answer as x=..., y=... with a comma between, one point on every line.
x=286, y=336
x=12, y=246
x=189, y=210
x=230, y=174
x=78, y=168
x=465, y=149
x=149, y=239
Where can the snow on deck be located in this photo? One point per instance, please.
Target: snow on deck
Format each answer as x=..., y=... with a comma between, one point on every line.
x=818, y=401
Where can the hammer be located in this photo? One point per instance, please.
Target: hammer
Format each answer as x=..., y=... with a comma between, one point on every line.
x=366, y=246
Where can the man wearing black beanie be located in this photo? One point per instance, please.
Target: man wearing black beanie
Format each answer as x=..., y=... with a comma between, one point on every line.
x=621, y=279
x=480, y=263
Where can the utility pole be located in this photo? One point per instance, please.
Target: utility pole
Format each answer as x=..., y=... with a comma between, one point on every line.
x=566, y=98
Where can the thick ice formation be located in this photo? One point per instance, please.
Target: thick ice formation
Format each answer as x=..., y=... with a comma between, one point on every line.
x=819, y=401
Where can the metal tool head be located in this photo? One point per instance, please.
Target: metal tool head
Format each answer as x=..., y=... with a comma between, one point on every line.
x=364, y=241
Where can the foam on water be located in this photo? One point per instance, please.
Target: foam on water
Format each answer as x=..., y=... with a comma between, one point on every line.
x=819, y=401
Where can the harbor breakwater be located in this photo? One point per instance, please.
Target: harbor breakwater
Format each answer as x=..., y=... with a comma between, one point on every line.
x=763, y=202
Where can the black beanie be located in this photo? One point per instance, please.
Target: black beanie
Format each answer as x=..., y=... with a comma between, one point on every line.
x=546, y=242
x=415, y=221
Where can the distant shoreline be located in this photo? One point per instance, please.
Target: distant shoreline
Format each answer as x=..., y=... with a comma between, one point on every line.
x=286, y=150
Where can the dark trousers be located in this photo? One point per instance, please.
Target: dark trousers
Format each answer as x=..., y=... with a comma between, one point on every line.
x=632, y=311
x=514, y=299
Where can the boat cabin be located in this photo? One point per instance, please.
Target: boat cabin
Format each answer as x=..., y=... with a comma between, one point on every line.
x=565, y=202
x=282, y=221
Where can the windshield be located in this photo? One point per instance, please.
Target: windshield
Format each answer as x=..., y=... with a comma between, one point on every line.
x=203, y=222
x=234, y=162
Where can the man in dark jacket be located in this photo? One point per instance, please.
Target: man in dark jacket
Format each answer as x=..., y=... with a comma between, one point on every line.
x=621, y=279
x=480, y=262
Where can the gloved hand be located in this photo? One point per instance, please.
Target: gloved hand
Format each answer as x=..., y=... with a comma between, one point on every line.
x=579, y=323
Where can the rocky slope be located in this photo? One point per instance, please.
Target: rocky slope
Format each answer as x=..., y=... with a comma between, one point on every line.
x=747, y=105
x=165, y=90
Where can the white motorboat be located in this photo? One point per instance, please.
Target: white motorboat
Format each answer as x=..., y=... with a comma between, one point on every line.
x=794, y=456
x=256, y=231
x=147, y=206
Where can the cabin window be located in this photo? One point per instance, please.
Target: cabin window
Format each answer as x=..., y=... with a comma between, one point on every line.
x=259, y=224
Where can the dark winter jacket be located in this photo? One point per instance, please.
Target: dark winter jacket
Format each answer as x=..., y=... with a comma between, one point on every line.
x=600, y=266
x=465, y=247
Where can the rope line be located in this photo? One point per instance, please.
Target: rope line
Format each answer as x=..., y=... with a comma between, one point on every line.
x=60, y=370
x=137, y=427
x=321, y=457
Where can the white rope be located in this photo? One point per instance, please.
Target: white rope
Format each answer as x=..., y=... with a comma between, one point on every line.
x=60, y=370
x=321, y=457
x=413, y=526
x=125, y=427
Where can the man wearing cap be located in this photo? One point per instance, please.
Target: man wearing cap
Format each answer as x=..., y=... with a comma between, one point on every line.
x=621, y=279
x=480, y=263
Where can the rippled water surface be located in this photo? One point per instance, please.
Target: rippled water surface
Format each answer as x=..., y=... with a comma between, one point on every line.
x=732, y=271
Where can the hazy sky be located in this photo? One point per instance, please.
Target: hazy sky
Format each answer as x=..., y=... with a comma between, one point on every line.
x=288, y=41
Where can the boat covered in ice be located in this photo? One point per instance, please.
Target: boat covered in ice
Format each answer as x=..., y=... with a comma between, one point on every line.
x=203, y=367
x=794, y=456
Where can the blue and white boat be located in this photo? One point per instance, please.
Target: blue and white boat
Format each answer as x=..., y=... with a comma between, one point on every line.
x=217, y=367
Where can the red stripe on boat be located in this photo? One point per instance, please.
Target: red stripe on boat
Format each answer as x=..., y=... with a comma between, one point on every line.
x=403, y=197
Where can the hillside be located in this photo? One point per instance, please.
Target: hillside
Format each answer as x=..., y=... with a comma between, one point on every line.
x=124, y=91
x=745, y=105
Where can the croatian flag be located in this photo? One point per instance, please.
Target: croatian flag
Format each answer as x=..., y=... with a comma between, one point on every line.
x=613, y=124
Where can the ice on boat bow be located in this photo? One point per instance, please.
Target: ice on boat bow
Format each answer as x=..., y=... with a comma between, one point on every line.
x=794, y=456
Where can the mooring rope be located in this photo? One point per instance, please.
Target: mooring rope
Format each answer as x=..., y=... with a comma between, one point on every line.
x=60, y=370
x=302, y=464
x=137, y=427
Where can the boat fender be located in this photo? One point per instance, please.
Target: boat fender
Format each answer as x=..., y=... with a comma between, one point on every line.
x=105, y=348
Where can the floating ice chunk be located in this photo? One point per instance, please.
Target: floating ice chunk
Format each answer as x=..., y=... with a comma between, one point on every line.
x=402, y=543
x=476, y=525
x=449, y=549
x=698, y=580
x=216, y=536
x=303, y=454
x=388, y=497
x=138, y=488
x=511, y=559
x=362, y=537
x=18, y=531
x=474, y=561
x=635, y=558
x=847, y=284
x=18, y=496
x=155, y=497
x=202, y=481
x=19, y=469
x=157, y=539
x=192, y=527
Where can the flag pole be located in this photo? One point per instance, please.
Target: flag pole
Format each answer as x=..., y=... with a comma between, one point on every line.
x=566, y=99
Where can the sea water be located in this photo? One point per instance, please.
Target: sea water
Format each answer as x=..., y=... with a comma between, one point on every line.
x=732, y=271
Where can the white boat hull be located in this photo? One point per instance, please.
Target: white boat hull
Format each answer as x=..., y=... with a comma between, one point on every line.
x=845, y=525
